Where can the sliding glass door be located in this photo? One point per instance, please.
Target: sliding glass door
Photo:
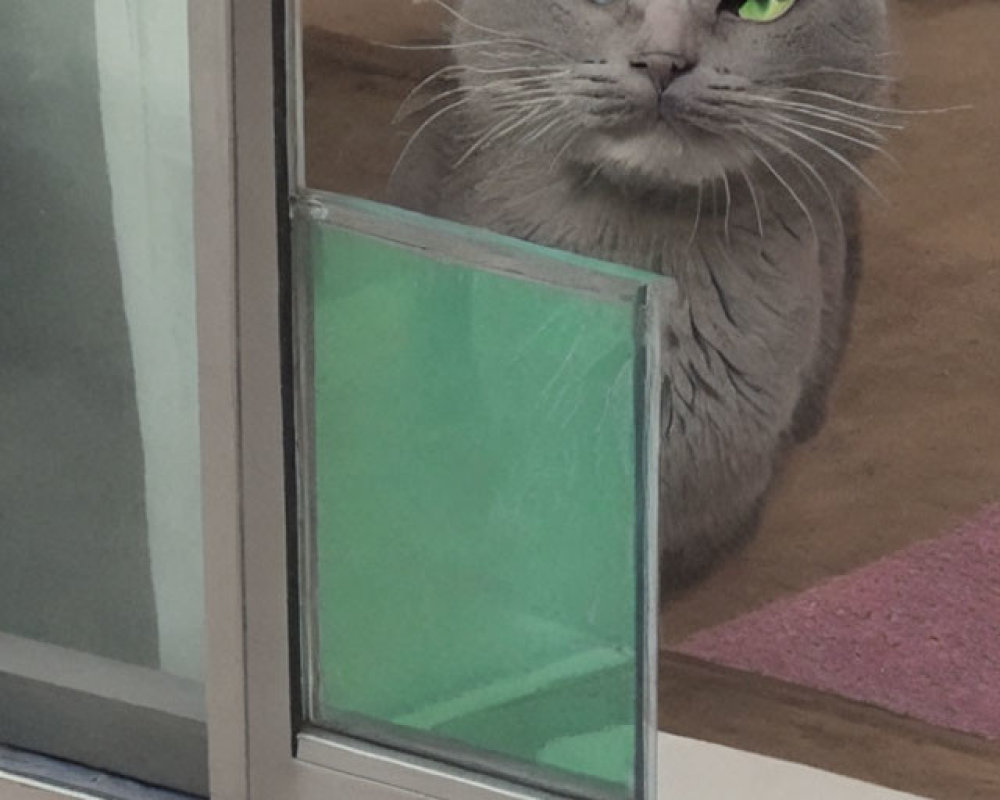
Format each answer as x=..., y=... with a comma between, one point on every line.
x=101, y=602
x=302, y=495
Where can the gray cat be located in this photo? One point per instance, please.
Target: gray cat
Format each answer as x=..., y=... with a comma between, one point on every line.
x=714, y=142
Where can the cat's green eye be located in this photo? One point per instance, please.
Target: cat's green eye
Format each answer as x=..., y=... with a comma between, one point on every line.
x=764, y=10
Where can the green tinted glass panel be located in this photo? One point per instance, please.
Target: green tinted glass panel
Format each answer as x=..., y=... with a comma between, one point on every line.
x=478, y=558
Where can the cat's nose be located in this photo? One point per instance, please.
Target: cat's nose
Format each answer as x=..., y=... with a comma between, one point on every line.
x=661, y=68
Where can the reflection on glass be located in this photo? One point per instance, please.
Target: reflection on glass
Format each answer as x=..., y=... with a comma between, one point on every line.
x=100, y=552
x=479, y=524
x=345, y=68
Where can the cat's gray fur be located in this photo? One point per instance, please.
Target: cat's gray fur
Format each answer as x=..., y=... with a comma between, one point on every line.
x=561, y=136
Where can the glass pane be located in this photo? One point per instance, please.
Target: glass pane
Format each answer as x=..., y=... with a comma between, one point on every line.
x=479, y=433
x=100, y=555
x=477, y=569
x=346, y=66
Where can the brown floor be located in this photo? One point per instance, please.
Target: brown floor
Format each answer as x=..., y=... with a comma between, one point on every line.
x=913, y=442
x=750, y=712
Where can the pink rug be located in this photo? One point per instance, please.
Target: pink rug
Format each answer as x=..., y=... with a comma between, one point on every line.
x=917, y=633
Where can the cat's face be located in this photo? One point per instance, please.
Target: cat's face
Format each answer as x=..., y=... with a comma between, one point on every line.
x=681, y=91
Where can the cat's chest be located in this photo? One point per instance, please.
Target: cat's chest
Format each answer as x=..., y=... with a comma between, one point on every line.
x=757, y=295
x=753, y=298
